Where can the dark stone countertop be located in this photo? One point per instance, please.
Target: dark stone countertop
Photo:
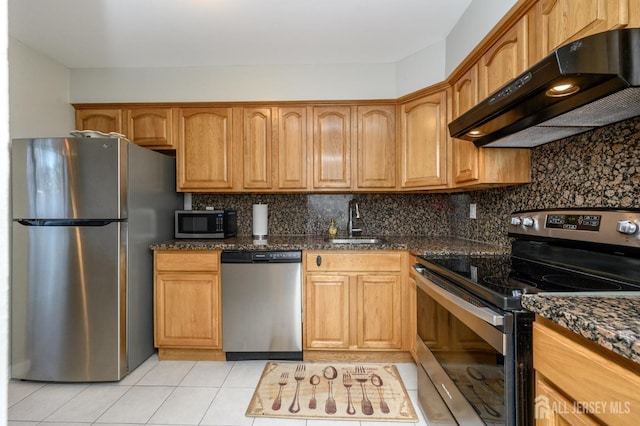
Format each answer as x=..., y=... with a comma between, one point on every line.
x=418, y=245
x=611, y=321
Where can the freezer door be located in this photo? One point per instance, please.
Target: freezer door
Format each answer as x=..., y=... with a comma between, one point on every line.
x=68, y=309
x=68, y=178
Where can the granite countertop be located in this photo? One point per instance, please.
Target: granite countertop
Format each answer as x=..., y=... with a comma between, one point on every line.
x=418, y=245
x=611, y=321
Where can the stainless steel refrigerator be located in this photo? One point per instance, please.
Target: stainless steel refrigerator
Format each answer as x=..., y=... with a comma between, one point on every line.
x=85, y=211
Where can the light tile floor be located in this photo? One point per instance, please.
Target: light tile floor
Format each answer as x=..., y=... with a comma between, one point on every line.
x=164, y=393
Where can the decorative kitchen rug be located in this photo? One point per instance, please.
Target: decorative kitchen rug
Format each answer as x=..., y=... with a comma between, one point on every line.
x=331, y=391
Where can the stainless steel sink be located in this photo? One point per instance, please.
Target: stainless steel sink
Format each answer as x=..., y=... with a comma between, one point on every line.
x=356, y=240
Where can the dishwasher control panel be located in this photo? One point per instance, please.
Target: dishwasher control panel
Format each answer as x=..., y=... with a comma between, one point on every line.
x=251, y=256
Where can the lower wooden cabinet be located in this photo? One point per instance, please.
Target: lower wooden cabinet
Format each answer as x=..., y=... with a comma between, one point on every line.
x=187, y=305
x=355, y=301
x=579, y=382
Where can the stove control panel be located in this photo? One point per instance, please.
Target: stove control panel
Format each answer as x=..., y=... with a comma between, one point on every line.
x=605, y=226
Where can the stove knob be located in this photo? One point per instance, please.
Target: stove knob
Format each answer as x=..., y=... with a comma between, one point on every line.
x=627, y=227
x=527, y=221
x=516, y=221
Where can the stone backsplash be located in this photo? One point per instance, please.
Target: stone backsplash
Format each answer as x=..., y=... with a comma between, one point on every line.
x=600, y=168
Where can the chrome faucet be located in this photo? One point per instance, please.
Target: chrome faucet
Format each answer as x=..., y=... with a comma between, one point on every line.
x=354, y=213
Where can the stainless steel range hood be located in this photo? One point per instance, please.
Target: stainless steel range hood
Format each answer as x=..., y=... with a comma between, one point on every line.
x=600, y=75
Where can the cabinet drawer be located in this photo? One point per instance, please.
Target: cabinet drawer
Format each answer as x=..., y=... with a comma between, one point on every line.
x=187, y=260
x=345, y=261
x=586, y=373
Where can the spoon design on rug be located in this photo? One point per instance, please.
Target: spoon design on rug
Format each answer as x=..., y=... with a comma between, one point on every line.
x=314, y=380
x=377, y=382
x=330, y=373
x=277, y=403
x=299, y=376
x=362, y=378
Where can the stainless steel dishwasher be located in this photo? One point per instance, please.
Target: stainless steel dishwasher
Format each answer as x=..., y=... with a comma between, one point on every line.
x=262, y=304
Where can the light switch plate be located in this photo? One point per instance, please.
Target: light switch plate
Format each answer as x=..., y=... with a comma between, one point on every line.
x=472, y=211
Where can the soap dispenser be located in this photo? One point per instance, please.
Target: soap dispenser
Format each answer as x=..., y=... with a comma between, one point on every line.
x=333, y=229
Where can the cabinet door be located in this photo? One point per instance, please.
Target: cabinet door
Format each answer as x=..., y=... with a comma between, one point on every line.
x=187, y=310
x=465, y=153
x=204, y=152
x=564, y=21
x=102, y=120
x=423, y=141
x=151, y=127
x=505, y=60
x=332, y=147
x=379, y=318
x=327, y=311
x=376, y=148
x=257, y=150
x=292, y=148
x=554, y=409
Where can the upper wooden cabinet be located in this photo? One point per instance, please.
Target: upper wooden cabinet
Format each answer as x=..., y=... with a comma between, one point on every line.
x=505, y=59
x=332, y=147
x=423, y=141
x=102, y=120
x=376, y=149
x=205, y=149
x=563, y=21
x=151, y=127
x=257, y=148
x=292, y=148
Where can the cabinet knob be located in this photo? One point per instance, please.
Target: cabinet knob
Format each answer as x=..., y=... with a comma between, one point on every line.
x=319, y=260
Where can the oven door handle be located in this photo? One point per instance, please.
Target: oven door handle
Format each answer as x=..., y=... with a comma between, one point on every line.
x=485, y=314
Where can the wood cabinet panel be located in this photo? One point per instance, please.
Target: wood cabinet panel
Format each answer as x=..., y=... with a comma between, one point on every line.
x=327, y=308
x=466, y=166
x=103, y=120
x=332, y=147
x=151, y=127
x=563, y=21
x=376, y=165
x=257, y=148
x=505, y=60
x=187, y=261
x=424, y=139
x=205, y=149
x=379, y=317
x=187, y=310
x=361, y=261
x=554, y=409
x=292, y=148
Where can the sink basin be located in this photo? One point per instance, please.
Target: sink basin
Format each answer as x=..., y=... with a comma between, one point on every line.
x=356, y=240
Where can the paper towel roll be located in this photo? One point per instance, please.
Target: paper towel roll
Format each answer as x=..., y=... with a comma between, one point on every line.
x=260, y=221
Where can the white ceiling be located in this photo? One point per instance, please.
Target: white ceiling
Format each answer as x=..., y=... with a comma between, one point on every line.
x=185, y=33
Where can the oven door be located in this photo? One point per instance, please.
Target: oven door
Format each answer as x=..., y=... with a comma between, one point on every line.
x=465, y=355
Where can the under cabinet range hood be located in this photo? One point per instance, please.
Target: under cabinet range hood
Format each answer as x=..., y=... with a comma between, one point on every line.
x=585, y=84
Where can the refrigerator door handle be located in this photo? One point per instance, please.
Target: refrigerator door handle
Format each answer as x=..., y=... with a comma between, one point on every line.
x=66, y=222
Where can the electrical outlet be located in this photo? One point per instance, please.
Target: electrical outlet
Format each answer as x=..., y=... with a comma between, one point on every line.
x=472, y=211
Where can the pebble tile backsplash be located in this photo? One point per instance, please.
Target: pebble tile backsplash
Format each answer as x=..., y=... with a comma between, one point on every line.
x=600, y=168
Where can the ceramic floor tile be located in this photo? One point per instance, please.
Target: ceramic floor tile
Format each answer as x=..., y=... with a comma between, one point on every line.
x=270, y=421
x=139, y=372
x=185, y=406
x=166, y=373
x=41, y=403
x=18, y=390
x=321, y=422
x=14, y=423
x=245, y=374
x=207, y=374
x=228, y=408
x=137, y=405
x=409, y=375
x=89, y=404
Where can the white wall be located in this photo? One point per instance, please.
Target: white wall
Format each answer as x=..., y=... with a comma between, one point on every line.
x=38, y=94
x=236, y=83
x=4, y=213
x=421, y=69
x=476, y=22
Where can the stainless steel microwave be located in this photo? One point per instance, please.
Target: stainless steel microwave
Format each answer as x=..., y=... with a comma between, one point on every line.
x=206, y=223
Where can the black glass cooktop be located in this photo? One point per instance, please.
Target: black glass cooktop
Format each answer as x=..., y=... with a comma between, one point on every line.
x=534, y=268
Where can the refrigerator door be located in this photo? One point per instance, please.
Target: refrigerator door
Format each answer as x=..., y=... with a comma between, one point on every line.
x=68, y=178
x=68, y=309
